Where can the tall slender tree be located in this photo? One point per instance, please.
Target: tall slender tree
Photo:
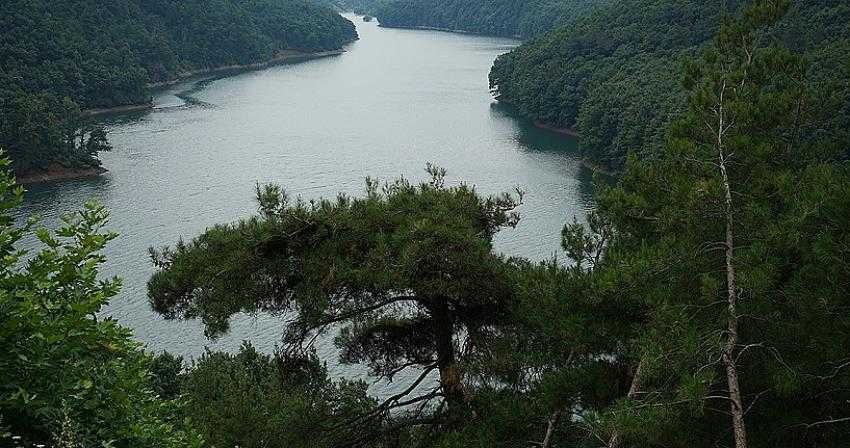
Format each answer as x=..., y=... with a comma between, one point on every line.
x=709, y=222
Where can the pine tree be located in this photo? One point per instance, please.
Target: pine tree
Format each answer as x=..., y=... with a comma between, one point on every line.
x=407, y=273
x=725, y=229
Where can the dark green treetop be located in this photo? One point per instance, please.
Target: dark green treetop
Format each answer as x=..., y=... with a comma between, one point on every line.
x=69, y=377
x=735, y=239
x=252, y=400
x=407, y=273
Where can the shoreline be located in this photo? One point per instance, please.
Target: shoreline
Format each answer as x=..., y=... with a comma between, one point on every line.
x=570, y=132
x=56, y=173
x=598, y=169
x=447, y=30
x=286, y=57
x=562, y=132
x=127, y=108
x=559, y=130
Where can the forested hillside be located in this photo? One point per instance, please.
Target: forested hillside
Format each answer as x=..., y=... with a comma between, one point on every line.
x=614, y=76
x=513, y=18
x=702, y=302
x=62, y=56
x=703, y=305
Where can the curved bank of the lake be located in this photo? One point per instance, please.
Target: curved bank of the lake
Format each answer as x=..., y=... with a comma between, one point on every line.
x=396, y=100
x=58, y=172
x=284, y=57
x=440, y=29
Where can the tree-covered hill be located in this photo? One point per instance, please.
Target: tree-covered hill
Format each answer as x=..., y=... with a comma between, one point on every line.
x=521, y=18
x=59, y=57
x=703, y=305
x=614, y=75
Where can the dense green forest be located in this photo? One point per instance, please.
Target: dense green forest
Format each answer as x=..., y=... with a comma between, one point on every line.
x=512, y=18
x=58, y=58
x=702, y=303
x=613, y=76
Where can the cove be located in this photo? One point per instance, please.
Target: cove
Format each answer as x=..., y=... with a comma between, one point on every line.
x=394, y=101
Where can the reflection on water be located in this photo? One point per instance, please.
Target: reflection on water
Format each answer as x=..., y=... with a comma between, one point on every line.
x=395, y=101
x=548, y=144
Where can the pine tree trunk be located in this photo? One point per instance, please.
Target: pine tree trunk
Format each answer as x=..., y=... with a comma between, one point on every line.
x=729, y=349
x=550, y=429
x=616, y=439
x=736, y=404
x=452, y=384
x=451, y=379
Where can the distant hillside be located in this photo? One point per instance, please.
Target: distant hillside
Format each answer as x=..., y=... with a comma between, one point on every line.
x=356, y=6
x=57, y=57
x=513, y=18
x=614, y=76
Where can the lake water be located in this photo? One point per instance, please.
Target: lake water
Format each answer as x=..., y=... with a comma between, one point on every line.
x=394, y=101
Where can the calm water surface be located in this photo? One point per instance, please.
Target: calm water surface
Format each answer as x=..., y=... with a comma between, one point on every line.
x=394, y=101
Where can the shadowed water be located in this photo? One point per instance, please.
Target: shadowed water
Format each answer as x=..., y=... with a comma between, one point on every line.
x=395, y=101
